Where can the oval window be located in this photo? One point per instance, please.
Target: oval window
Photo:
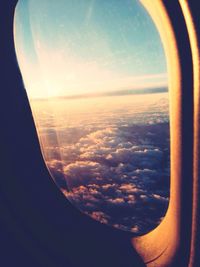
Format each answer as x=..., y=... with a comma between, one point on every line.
x=95, y=74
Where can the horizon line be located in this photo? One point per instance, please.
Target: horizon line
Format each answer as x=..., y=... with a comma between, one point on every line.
x=160, y=89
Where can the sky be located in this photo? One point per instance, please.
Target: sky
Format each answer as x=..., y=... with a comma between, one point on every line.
x=76, y=47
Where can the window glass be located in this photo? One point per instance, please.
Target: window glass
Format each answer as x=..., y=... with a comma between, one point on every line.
x=95, y=74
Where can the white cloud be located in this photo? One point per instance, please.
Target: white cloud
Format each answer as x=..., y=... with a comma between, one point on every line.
x=113, y=174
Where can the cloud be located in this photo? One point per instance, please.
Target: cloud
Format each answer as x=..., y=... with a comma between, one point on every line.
x=81, y=172
x=123, y=206
x=100, y=216
x=118, y=175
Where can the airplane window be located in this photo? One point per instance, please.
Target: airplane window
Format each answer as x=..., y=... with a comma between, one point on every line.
x=96, y=77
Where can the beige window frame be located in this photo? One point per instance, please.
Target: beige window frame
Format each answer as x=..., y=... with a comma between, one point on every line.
x=174, y=241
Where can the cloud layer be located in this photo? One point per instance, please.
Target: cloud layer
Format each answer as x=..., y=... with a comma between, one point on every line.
x=118, y=173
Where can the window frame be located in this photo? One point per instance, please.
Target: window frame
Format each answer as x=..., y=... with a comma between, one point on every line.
x=174, y=242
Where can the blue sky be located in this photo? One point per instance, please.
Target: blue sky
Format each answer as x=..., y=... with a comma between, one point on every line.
x=70, y=47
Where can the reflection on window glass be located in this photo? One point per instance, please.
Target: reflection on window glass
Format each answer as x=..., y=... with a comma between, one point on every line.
x=95, y=74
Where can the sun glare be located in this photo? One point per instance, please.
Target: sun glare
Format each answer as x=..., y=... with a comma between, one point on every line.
x=95, y=74
x=64, y=55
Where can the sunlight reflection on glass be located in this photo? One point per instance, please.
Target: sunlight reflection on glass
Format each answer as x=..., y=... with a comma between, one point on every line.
x=95, y=73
